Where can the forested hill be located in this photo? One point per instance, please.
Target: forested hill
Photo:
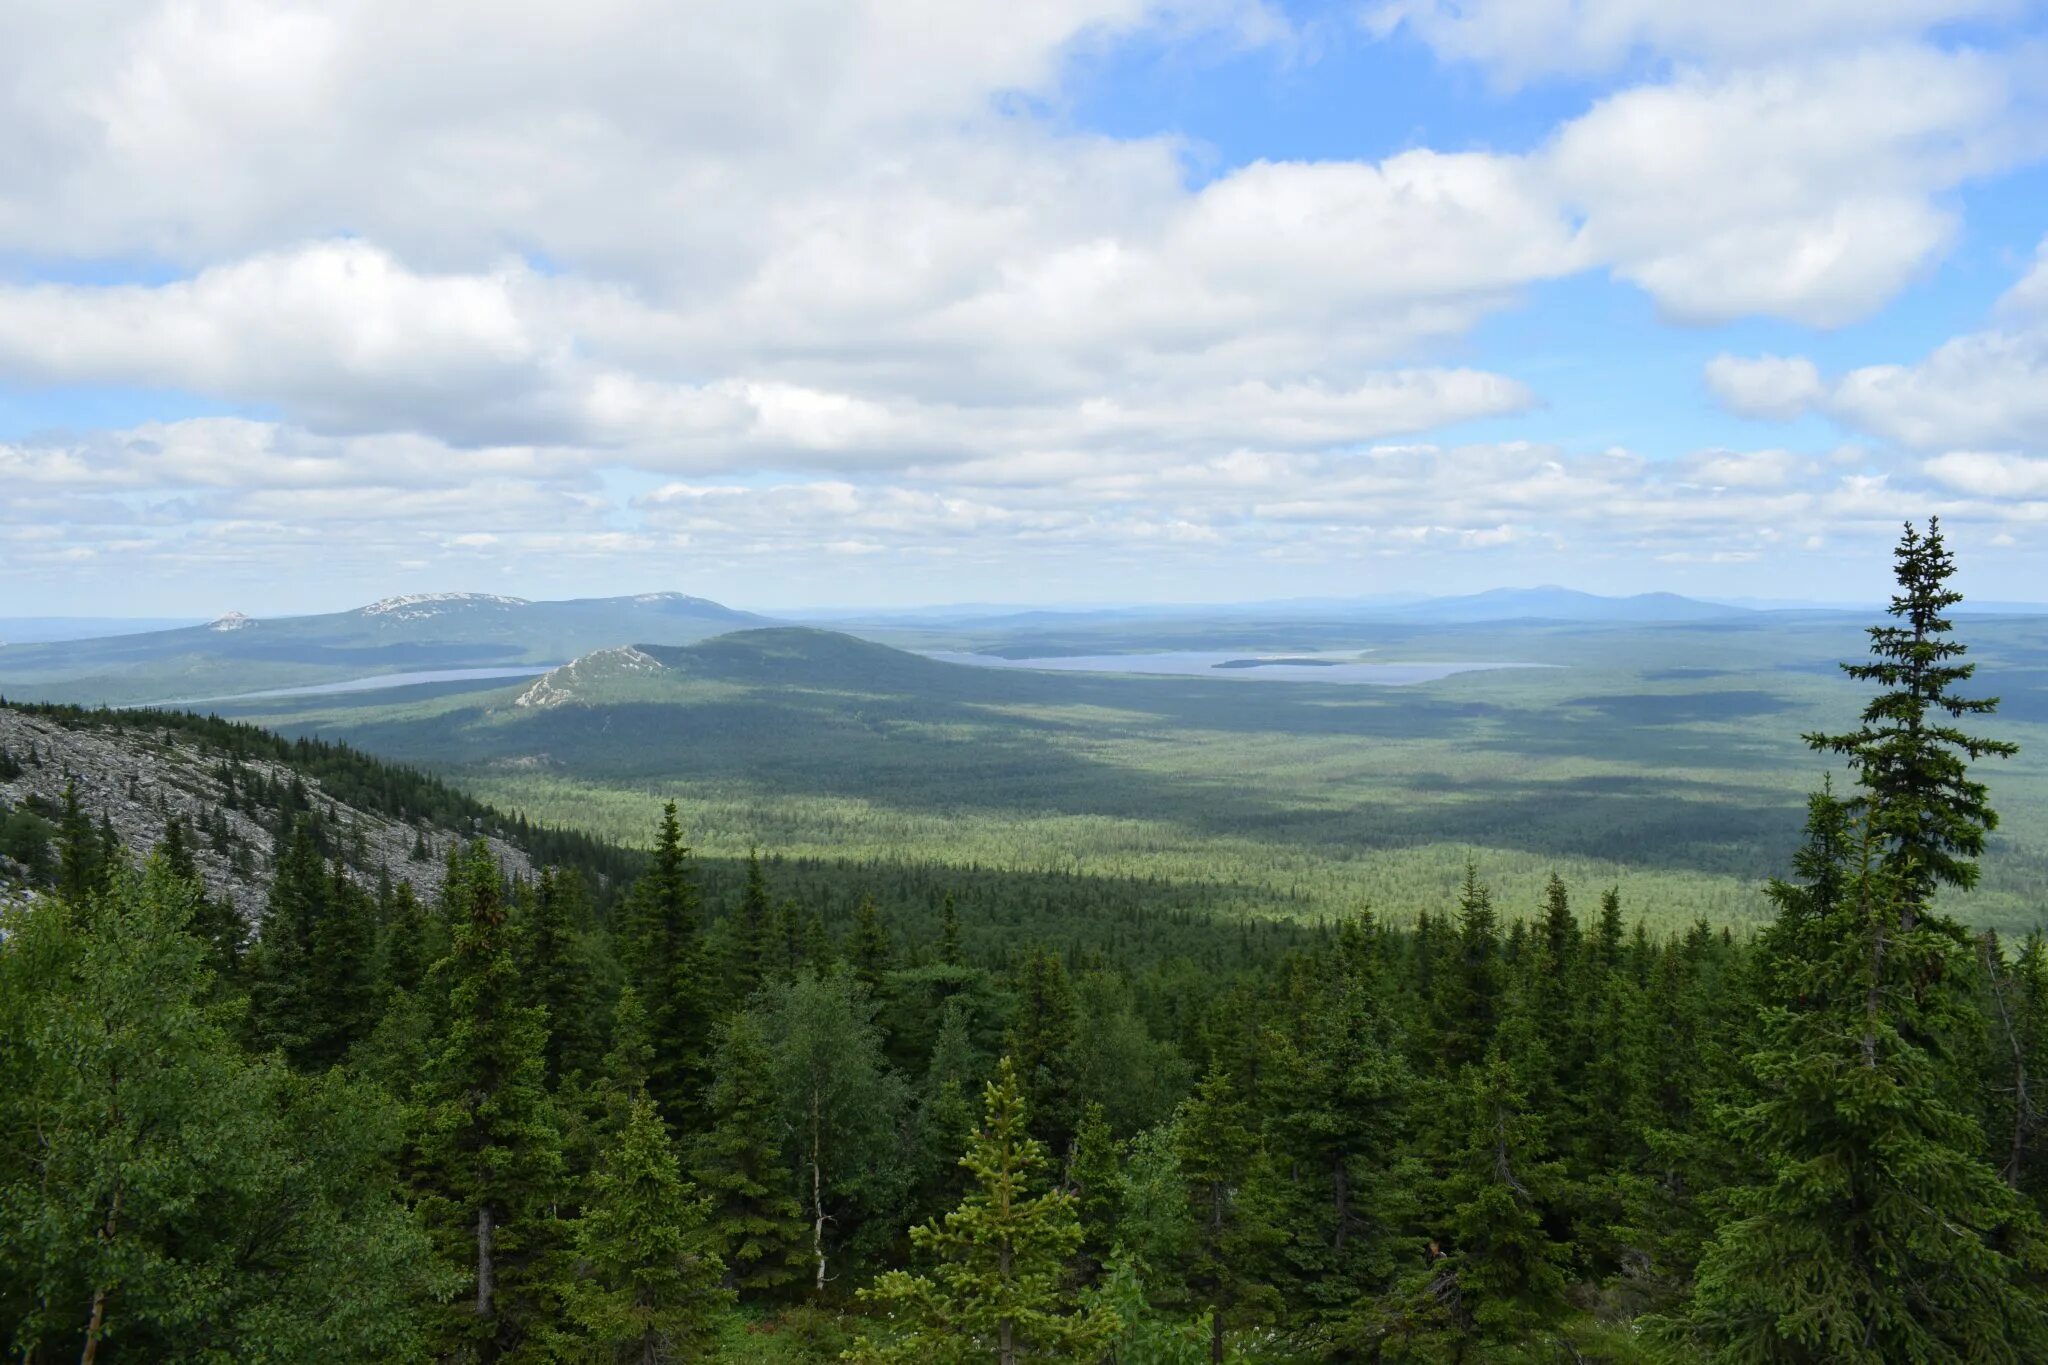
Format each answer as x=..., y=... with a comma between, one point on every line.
x=235, y=793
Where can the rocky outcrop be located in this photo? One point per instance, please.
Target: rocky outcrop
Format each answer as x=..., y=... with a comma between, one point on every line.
x=568, y=683
x=141, y=777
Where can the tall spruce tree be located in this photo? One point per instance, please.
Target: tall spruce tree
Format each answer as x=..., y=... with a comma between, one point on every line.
x=996, y=1290
x=1040, y=1041
x=755, y=949
x=662, y=949
x=1874, y=1230
x=1232, y=1205
x=1468, y=990
x=490, y=1150
x=1927, y=814
x=554, y=968
x=648, y=1287
x=738, y=1162
x=287, y=977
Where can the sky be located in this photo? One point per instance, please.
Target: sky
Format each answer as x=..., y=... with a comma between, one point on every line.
x=824, y=302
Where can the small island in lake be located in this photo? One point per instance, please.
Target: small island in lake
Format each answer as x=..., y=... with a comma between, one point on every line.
x=1276, y=663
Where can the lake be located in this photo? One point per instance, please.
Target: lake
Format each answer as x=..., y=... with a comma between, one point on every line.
x=375, y=684
x=1241, y=666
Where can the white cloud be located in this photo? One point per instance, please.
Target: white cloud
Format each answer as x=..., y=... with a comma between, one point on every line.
x=842, y=273
x=1768, y=386
x=1991, y=475
x=1984, y=389
x=1801, y=190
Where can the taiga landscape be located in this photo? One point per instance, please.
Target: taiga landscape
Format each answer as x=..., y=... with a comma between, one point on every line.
x=1231, y=681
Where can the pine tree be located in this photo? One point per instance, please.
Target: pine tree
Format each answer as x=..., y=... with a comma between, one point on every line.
x=648, y=1286
x=1928, y=815
x=663, y=952
x=491, y=1149
x=755, y=1221
x=996, y=1286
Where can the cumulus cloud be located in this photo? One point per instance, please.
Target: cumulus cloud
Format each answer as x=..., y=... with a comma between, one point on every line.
x=609, y=280
x=1990, y=475
x=1802, y=189
x=1767, y=386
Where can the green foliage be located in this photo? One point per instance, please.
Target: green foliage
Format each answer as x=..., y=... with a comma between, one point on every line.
x=311, y=971
x=995, y=1289
x=1875, y=1231
x=162, y=1195
x=1232, y=1202
x=756, y=1222
x=553, y=953
x=661, y=945
x=842, y=1106
x=1927, y=814
x=489, y=1165
x=647, y=1286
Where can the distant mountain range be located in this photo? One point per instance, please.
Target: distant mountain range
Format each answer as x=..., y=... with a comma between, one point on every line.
x=420, y=632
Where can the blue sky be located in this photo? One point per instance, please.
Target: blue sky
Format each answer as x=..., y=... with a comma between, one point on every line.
x=1093, y=300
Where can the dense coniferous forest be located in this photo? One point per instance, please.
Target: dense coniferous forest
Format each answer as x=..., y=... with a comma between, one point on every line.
x=635, y=1108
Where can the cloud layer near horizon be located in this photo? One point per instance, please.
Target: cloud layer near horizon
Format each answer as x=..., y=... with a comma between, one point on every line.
x=781, y=284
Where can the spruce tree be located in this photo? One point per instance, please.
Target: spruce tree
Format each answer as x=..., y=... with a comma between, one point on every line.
x=1040, y=1041
x=1468, y=991
x=1232, y=1202
x=947, y=1110
x=1874, y=1231
x=949, y=932
x=1094, y=1178
x=648, y=1286
x=755, y=1221
x=995, y=1291
x=755, y=951
x=1927, y=815
x=1509, y=1270
x=81, y=860
x=662, y=949
x=490, y=1152
x=284, y=967
x=554, y=969
x=869, y=950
